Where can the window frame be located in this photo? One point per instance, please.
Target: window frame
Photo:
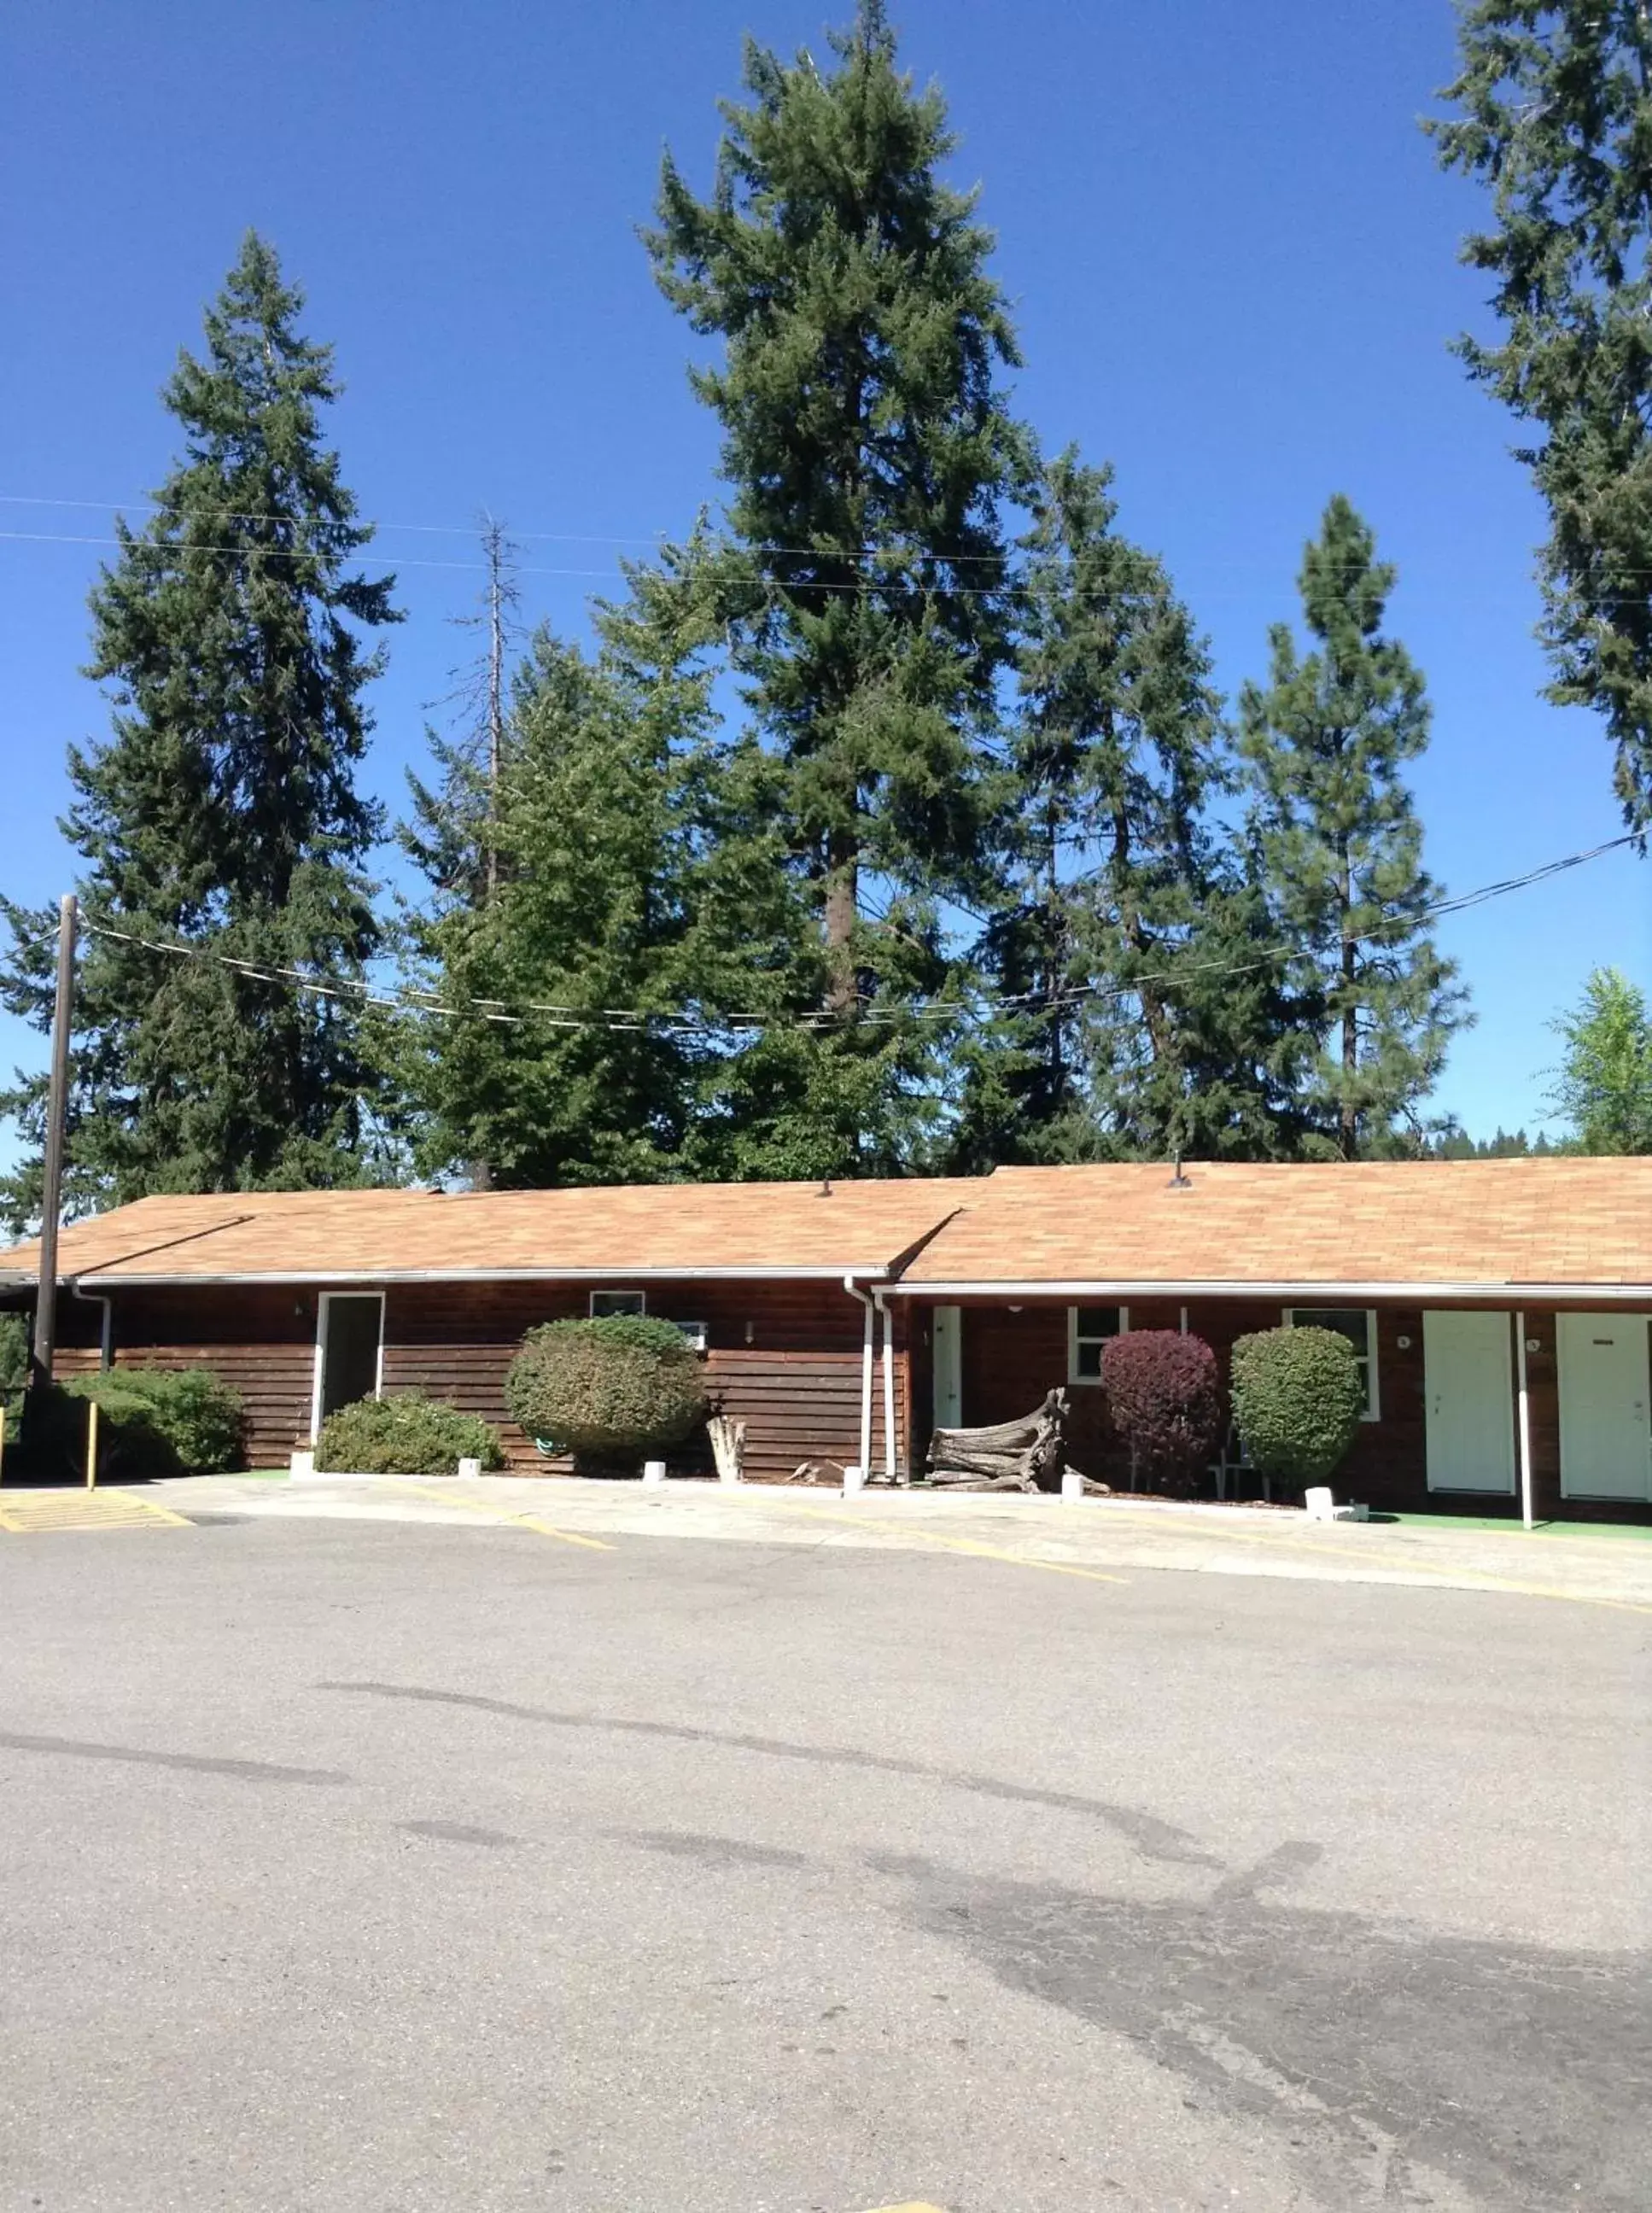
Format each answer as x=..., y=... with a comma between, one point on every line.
x=615, y=1291
x=1073, y=1340
x=1372, y=1410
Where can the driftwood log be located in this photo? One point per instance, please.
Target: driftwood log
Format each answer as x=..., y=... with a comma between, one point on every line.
x=1025, y=1455
x=728, y=1447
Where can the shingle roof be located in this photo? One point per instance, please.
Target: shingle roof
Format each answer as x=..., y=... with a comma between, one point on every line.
x=1468, y=1223
x=352, y=1236
x=1512, y=1222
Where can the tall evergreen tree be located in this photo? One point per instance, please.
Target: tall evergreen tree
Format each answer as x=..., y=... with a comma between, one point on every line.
x=1325, y=743
x=1554, y=101
x=868, y=446
x=645, y=907
x=563, y=1074
x=450, y=833
x=1147, y=1014
x=223, y=815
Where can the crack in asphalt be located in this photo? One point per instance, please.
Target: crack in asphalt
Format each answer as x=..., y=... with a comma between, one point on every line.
x=1153, y=1839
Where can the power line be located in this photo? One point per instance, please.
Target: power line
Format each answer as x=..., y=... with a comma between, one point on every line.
x=527, y=1013
x=1013, y=587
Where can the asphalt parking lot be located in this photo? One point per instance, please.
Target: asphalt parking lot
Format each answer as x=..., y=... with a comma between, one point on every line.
x=395, y=1865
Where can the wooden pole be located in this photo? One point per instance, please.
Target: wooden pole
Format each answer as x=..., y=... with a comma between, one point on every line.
x=46, y=1295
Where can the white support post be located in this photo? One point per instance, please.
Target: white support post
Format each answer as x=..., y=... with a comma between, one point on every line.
x=888, y=1387
x=855, y=1292
x=1525, y=1424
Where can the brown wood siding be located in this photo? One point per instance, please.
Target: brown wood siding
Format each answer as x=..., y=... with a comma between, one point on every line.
x=261, y=1340
x=796, y=1383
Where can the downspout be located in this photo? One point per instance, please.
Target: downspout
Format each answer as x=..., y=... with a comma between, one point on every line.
x=889, y=1320
x=1525, y=1424
x=866, y=1376
x=106, y=1335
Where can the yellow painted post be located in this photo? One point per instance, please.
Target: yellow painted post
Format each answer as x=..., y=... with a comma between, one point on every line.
x=91, y=1444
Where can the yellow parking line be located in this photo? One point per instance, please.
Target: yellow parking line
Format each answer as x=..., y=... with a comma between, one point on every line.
x=956, y=1545
x=503, y=1519
x=29, y=1513
x=1338, y=1551
x=1427, y=1575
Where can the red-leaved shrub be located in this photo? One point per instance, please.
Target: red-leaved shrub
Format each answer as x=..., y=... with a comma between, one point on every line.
x=1164, y=1394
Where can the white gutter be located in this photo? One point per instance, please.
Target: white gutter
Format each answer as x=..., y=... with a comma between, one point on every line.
x=830, y=1274
x=888, y=1321
x=1525, y=1424
x=1122, y=1291
x=866, y=1377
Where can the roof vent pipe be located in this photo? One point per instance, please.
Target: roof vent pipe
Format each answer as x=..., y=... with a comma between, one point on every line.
x=1178, y=1180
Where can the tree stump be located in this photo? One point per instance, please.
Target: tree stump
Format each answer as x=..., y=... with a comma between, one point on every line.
x=1025, y=1455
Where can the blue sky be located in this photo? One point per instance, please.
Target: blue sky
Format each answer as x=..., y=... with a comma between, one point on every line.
x=1234, y=266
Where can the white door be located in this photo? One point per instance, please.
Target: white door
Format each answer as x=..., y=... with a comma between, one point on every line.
x=1606, y=1438
x=1469, y=1394
x=947, y=1340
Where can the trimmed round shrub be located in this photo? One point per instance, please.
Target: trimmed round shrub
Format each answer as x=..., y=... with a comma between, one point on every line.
x=403, y=1435
x=611, y=1391
x=1297, y=1401
x=1164, y=1396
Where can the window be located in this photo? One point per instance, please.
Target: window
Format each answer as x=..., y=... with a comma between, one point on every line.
x=1089, y=1329
x=614, y=1302
x=1359, y=1325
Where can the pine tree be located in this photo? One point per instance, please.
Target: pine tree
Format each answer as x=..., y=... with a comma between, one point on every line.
x=574, y=951
x=1555, y=115
x=221, y=814
x=1325, y=745
x=868, y=446
x=450, y=835
x=645, y=903
x=1149, y=1015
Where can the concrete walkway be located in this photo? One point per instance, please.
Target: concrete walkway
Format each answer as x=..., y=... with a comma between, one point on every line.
x=1099, y=1540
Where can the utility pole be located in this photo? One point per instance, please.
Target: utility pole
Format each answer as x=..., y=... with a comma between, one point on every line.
x=57, y=1117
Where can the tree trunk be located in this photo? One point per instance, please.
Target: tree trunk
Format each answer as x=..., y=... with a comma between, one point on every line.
x=494, y=542
x=1348, y=1117
x=842, y=907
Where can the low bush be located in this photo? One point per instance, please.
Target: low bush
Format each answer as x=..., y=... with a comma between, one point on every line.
x=403, y=1435
x=151, y=1421
x=195, y=1415
x=611, y=1391
x=1298, y=1400
x=1164, y=1396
